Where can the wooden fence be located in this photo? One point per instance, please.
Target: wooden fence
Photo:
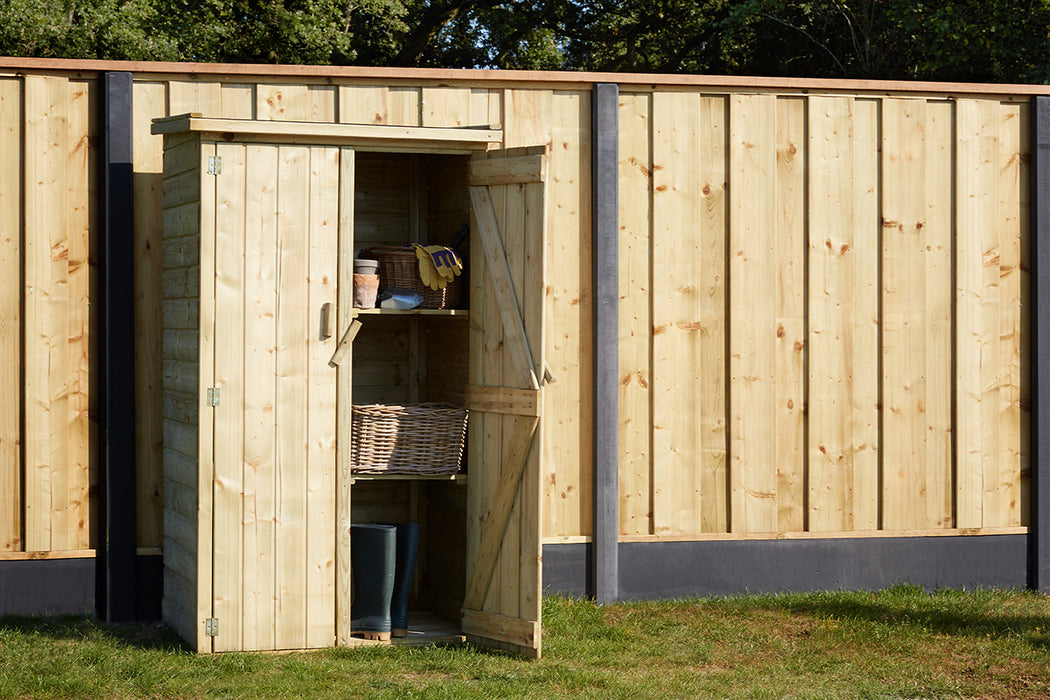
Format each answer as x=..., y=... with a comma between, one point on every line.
x=823, y=313
x=823, y=320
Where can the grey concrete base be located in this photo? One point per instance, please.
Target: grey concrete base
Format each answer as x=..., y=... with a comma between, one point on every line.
x=680, y=569
x=567, y=570
x=47, y=587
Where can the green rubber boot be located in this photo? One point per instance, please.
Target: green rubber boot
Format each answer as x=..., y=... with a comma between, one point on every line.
x=405, y=571
x=373, y=550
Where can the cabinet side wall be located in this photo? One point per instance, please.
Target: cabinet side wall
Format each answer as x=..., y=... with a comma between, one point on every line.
x=180, y=354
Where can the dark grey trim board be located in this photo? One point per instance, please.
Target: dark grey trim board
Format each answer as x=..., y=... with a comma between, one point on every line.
x=650, y=570
x=605, y=152
x=1040, y=349
x=47, y=587
x=117, y=514
x=567, y=570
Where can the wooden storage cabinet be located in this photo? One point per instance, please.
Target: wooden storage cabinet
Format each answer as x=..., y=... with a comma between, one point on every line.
x=262, y=221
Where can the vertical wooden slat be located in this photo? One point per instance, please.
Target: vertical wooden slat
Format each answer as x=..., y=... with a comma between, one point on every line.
x=513, y=230
x=752, y=293
x=677, y=285
x=320, y=507
x=229, y=377
x=446, y=106
x=530, y=488
x=790, y=334
x=486, y=106
x=282, y=102
x=46, y=106
x=238, y=101
x=635, y=173
x=939, y=294
x=343, y=396
x=569, y=303
x=323, y=104
x=11, y=315
x=492, y=424
x=904, y=313
x=206, y=415
x=977, y=323
x=260, y=365
x=193, y=96
x=291, y=408
x=713, y=220
x=150, y=102
x=1012, y=218
x=1027, y=340
x=76, y=531
x=843, y=318
x=528, y=117
x=864, y=355
x=375, y=104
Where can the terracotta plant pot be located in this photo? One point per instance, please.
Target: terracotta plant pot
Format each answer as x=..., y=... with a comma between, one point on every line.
x=366, y=289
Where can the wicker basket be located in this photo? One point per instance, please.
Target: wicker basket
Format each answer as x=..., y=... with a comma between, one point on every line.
x=422, y=439
x=399, y=267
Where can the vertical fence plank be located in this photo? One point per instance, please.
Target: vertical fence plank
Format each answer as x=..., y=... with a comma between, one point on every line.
x=753, y=294
x=790, y=334
x=194, y=96
x=150, y=102
x=714, y=135
x=977, y=324
x=45, y=104
x=237, y=101
x=322, y=273
x=937, y=323
x=76, y=512
x=282, y=102
x=1027, y=339
x=446, y=106
x=378, y=104
x=1012, y=218
x=569, y=302
x=635, y=173
x=676, y=288
x=11, y=315
x=843, y=318
x=866, y=328
x=904, y=311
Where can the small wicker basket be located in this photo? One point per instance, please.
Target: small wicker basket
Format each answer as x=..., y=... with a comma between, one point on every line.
x=399, y=267
x=422, y=439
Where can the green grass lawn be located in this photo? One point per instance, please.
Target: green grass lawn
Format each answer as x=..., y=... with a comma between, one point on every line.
x=900, y=643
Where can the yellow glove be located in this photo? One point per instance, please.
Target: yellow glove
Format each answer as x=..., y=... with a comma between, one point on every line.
x=446, y=262
x=427, y=272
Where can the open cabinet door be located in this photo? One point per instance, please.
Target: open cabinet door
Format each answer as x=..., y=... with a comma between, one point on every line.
x=501, y=607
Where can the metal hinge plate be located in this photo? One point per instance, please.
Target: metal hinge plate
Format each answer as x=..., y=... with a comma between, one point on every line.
x=214, y=396
x=214, y=165
x=211, y=627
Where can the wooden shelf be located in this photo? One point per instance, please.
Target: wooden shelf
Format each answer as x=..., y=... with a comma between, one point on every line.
x=412, y=312
x=459, y=478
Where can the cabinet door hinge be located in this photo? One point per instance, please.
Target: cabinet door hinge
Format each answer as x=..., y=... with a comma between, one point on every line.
x=214, y=396
x=211, y=627
x=214, y=165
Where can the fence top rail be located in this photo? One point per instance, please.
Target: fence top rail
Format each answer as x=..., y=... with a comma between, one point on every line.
x=564, y=79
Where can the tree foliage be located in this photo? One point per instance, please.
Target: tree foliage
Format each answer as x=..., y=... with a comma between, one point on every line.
x=966, y=40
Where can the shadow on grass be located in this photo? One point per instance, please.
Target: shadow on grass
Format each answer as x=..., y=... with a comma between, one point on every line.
x=937, y=613
x=140, y=635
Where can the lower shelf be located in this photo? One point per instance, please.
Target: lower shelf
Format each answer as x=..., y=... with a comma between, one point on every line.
x=423, y=628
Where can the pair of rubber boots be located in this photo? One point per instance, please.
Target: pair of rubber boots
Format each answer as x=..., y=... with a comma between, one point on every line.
x=383, y=558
